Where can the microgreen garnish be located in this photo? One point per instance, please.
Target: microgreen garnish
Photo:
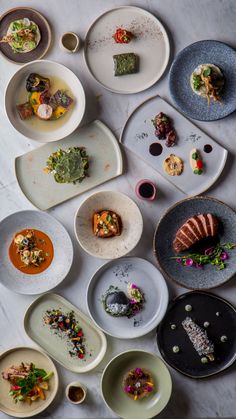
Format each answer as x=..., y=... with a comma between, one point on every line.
x=215, y=256
x=207, y=72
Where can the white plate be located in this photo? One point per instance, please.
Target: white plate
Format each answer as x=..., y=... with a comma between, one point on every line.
x=56, y=347
x=118, y=273
x=105, y=163
x=139, y=133
x=112, y=247
x=61, y=128
x=151, y=44
x=15, y=356
x=23, y=283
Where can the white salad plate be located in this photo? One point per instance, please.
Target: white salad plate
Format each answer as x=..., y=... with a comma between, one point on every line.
x=139, y=133
x=39, y=130
x=15, y=356
x=119, y=273
x=24, y=283
x=105, y=163
x=58, y=346
x=150, y=43
x=111, y=247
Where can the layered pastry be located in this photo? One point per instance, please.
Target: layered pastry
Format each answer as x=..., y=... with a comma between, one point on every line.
x=138, y=383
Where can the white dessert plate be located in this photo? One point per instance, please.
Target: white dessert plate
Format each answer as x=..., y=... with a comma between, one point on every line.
x=119, y=273
x=150, y=43
x=15, y=356
x=24, y=283
x=105, y=163
x=58, y=347
x=139, y=133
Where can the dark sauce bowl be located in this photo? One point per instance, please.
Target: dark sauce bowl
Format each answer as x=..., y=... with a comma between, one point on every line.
x=145, y=189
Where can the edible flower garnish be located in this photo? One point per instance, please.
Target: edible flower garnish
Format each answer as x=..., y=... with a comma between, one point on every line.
x=215, y=256
x=122, y=36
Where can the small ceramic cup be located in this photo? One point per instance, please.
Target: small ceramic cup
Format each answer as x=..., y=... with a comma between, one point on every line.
x=71, y=392
x=70, y=42
x=150, y=190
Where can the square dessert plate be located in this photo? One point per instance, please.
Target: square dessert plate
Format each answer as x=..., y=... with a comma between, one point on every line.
x=105, y=163
x=139, y=133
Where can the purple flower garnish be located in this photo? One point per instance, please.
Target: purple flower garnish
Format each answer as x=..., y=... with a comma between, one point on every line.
x=149, y=388
x=132, y=301
x=209, y=251
x=224, y=255
x=189, y=262
x=138, y=371
x=199, y=265
x=179, y=260
x=128, y=389
x=133, y=286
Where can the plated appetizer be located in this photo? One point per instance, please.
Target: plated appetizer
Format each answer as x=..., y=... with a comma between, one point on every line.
x=138, y=383
x=196, y=162
x=68, y=165
x=27, y=382
x=23, y=35
x=164, y=129
x=198, y=337
x=41, y=102
x=122, y=36
x=173, y=165
x=117, y=303
x=207, y=80
x=126, y=63
x=67, y=327
x=31, y=251
x=106, y=224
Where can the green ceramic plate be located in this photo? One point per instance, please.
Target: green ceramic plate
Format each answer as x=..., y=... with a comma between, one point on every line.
x=119, y=402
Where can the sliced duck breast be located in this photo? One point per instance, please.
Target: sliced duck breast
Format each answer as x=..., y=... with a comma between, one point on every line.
x=198, y=224
x=194, y=229
x=206, y=224
x=213, y=223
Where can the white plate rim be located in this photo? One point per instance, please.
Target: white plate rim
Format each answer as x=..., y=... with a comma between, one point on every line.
x=166, y=41
x=164, y=291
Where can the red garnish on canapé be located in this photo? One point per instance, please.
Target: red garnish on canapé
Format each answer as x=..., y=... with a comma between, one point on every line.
x=122, y=36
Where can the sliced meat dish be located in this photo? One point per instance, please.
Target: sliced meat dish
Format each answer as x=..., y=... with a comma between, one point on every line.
x=194, y=229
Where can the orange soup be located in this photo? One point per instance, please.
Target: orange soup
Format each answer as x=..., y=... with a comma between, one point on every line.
x=30, y=242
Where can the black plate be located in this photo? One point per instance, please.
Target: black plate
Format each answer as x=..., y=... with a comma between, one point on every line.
x=204, y=308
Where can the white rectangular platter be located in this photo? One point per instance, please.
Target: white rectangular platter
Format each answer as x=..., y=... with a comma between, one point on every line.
x=139, y=133
x=105, y=163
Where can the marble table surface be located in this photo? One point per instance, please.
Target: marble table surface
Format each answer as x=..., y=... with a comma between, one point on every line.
x=187, y=21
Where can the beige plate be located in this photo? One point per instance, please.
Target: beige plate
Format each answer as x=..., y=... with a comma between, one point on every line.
x=56, y=347
x=112, y=247
x=15, y=356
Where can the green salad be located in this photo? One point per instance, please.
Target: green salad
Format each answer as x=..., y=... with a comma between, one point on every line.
x=23, y=35
x=68, y=166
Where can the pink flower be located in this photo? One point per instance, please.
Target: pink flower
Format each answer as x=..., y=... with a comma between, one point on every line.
x=138, y=371
x=179, y=260
x=132, y=301
x=189, y=262
x=224, y=256
x=133, y=286
x=199, y=265
x=209, y=251
x=128, y=389
x=149, y=389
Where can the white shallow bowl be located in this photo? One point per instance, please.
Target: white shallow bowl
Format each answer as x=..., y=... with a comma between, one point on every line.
x=15, y=356
x=119, y=273
x=21, y=282
x=49, y=69
x=113, y=247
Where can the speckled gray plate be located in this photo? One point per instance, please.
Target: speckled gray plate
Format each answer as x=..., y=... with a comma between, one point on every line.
x=116, y=399
x=139, y=133
x=204, y=308
x=189, y=277
x=58, y=347
x=203, y=52
x=23, y=283
x=105, y=164
x=119, y=273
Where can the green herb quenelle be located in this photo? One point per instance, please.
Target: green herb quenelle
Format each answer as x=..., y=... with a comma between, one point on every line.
x=68, y=166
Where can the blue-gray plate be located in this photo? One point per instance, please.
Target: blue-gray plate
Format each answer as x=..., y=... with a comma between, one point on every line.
x=192, y=277
x=221, y=318
x=192, y=105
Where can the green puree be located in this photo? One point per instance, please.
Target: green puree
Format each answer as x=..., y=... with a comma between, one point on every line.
x=125, y=64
